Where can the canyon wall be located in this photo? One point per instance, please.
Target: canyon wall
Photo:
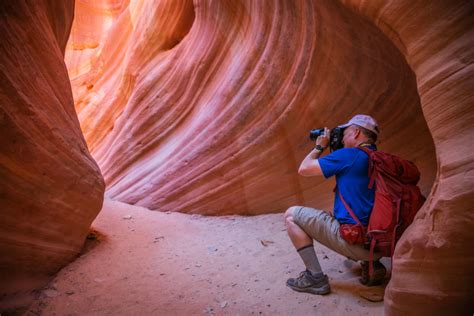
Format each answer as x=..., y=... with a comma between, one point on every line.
x=50, y=187
x=205, y=108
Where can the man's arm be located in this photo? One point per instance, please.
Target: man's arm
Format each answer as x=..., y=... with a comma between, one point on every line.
x=310, y=165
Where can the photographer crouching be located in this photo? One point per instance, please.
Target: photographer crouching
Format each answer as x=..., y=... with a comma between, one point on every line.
x=350, y=166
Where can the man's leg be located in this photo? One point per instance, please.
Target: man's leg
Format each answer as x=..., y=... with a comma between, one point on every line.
x=312, y=280
x=324, y=228
x=302, y=242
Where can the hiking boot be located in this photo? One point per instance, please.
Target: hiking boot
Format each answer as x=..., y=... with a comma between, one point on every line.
x=308, y=283
x=378, y=273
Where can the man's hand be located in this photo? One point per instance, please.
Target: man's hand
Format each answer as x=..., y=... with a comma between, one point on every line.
x=323, y=140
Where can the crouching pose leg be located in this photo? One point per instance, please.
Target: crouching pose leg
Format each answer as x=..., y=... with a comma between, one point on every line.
x=305, y=224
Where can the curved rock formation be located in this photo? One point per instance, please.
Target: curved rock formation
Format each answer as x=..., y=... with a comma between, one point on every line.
x=50, y=187
x=205, y=107
x=433, y=262
x=210, y=114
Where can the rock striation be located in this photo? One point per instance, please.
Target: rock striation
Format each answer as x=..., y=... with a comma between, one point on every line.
x=50, y=187
x=204, y=108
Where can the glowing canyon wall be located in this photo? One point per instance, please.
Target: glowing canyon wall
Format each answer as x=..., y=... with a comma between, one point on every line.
x=50, y=187
x=205, y=108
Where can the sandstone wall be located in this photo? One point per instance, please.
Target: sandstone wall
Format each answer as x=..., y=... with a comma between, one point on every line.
x=50, y=187
x=204, y=107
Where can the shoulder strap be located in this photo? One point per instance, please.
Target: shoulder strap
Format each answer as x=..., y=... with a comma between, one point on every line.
x=371, y=165
x=348, y=208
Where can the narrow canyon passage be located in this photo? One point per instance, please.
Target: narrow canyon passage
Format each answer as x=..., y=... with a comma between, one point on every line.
x=204, y=107
x=153, y=263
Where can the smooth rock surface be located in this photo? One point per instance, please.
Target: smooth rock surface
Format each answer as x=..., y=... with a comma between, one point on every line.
x=51, y=189
x=209, y=114
x=206, y=107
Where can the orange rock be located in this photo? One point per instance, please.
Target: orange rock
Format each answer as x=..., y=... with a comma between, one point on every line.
x=206, y=108
x=209, y=114
x=50, y=187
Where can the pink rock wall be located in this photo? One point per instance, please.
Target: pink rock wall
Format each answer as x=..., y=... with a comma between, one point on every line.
x=204, y=107
x=50, y=187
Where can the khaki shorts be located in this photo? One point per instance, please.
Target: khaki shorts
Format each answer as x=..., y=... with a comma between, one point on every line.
x=324, y=228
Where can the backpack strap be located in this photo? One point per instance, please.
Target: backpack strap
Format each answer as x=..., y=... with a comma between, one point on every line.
x=371, y=165
x=373, y=242
x=348, y=208
x=394, y=234
x=371, y=257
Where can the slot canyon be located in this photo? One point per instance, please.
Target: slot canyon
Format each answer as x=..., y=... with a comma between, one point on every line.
x=189, y=114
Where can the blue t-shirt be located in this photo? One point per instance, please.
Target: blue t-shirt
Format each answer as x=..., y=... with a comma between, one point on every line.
x=350, y=166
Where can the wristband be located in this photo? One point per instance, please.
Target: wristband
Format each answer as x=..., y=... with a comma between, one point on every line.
x=319, y=148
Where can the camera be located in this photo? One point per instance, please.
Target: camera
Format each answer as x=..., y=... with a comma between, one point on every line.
x=335, y=137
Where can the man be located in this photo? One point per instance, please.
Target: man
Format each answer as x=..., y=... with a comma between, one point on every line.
x=350, y=166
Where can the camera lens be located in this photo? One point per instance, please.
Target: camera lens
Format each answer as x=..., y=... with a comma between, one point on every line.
x=315, y=133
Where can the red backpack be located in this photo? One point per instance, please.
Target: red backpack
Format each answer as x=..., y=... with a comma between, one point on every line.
x=397, y=200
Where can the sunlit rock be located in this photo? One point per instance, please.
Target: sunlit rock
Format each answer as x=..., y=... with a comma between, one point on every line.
x=206, y=107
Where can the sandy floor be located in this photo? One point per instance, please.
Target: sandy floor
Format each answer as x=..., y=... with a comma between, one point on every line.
x=152, y=263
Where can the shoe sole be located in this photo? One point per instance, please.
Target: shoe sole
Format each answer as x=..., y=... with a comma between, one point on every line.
x=321, y=291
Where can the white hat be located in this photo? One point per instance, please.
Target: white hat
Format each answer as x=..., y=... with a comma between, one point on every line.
x=364, y=121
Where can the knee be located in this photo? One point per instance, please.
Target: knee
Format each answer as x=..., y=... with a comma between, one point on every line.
x=289, y=214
